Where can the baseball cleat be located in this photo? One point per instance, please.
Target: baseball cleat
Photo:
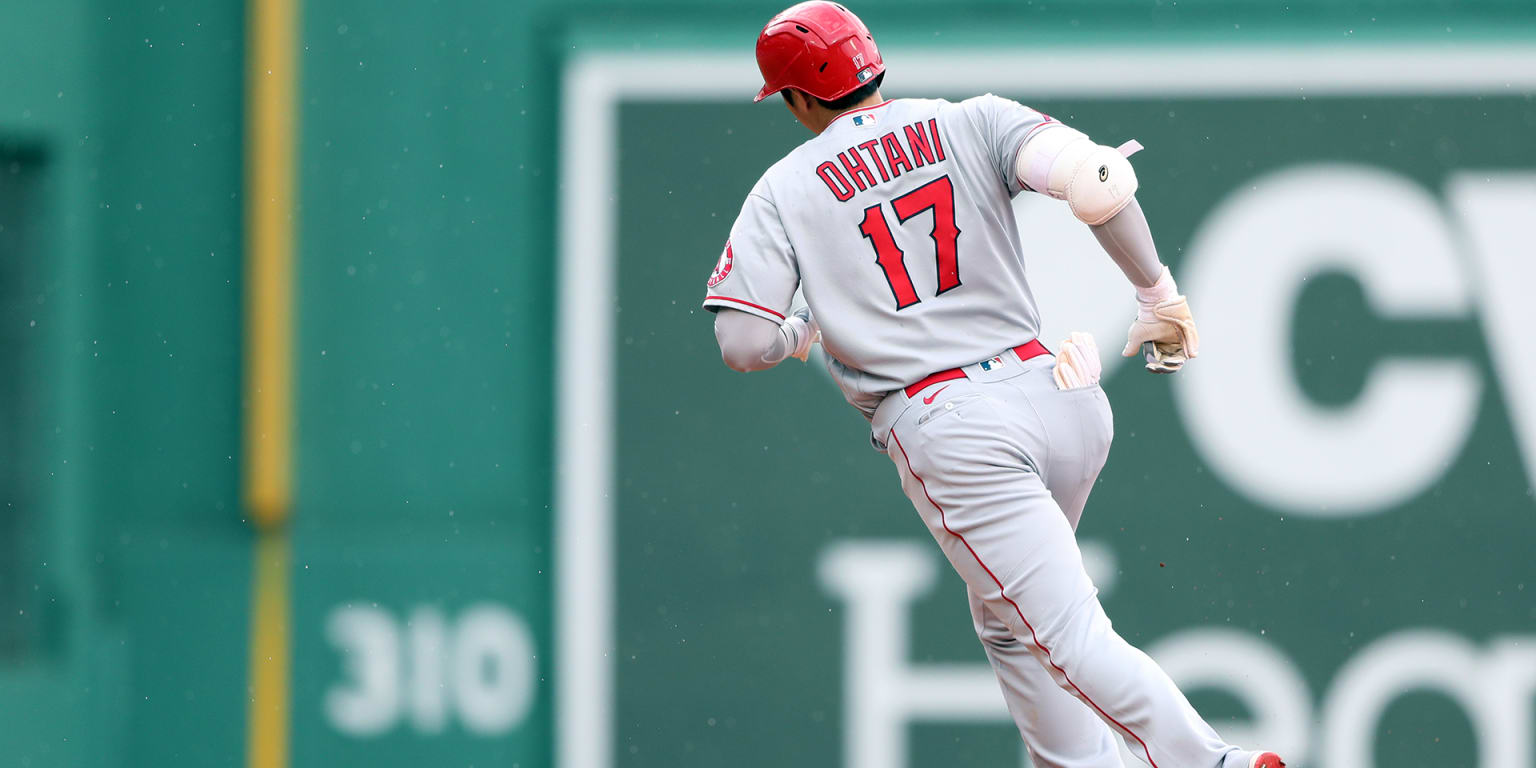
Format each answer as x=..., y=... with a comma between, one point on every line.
x=1266, y=760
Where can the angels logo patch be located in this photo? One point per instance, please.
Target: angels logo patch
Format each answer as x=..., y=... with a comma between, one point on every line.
x=723, y=268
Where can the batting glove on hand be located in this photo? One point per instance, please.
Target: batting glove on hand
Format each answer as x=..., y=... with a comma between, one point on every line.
x=1077, y=362
x=1164, y=331
x=800, y=332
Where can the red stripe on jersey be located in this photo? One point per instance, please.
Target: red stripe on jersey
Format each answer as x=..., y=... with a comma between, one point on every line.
x=748, y=303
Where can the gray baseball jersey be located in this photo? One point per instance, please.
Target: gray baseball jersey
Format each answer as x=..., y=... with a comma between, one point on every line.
x=897, y=221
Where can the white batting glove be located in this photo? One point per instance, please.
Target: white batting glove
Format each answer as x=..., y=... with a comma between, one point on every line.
x=1077, y=362
x=1164, y=331
x=800, y=332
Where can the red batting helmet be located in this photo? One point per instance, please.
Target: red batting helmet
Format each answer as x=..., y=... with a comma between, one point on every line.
x=818, y=47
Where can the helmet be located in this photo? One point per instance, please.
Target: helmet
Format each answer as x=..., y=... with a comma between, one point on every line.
x=818, y=47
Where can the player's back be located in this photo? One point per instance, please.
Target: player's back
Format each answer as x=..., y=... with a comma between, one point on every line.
x=898, y=223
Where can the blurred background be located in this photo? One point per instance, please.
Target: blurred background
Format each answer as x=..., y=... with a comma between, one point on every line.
x=356, y=406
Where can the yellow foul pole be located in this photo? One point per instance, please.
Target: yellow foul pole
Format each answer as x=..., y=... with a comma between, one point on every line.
x=270, y=100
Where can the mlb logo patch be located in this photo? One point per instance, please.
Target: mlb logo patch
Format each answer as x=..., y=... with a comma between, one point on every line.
x=866, y=73
x=996, y=362
x=863, y=120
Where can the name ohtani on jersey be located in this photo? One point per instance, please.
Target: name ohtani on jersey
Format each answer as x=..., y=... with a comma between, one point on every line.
x=917, y=145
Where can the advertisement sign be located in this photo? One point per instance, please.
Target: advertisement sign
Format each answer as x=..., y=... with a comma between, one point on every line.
x=1321, y=529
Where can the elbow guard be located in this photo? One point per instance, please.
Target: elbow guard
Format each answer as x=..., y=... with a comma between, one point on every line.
x=1095, y=180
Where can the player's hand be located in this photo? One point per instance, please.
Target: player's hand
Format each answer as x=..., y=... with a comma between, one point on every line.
x=801, y=331
x=1164, y=331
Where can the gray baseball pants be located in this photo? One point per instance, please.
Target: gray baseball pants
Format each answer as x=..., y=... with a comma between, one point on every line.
x=999, y=465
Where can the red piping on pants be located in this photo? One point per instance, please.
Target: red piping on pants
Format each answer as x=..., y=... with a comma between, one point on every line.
x=1031, y=627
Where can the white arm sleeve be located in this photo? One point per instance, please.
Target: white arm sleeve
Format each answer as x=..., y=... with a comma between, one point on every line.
x=752, y=343
x=1127, y=239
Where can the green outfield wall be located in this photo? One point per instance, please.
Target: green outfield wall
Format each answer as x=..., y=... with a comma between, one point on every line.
x=1323, y=529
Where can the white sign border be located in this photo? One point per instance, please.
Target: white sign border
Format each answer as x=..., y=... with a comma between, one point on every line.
x=594, y=83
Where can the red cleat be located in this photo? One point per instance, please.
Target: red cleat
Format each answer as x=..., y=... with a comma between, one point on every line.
x=1266, y=760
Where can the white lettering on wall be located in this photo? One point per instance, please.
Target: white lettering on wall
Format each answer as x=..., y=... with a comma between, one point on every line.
x=1494, y=209
x=481, y=668
x=884, y=692
x=1241, y=402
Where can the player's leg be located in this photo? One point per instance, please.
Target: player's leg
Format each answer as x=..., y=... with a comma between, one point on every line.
x=973, y=475
x=1058, y=729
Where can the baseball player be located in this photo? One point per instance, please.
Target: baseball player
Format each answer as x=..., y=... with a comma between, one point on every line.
x=895, y=220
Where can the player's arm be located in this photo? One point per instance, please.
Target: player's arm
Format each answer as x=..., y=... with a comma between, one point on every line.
x=751, y=289
x=1099, y=185
x=1164, y=330
x=751, y=343
x=1032, y=151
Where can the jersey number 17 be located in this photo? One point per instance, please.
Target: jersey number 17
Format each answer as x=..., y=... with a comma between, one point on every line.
x=938, y=195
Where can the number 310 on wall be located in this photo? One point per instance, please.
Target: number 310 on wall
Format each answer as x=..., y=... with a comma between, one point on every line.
x=478, y=666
